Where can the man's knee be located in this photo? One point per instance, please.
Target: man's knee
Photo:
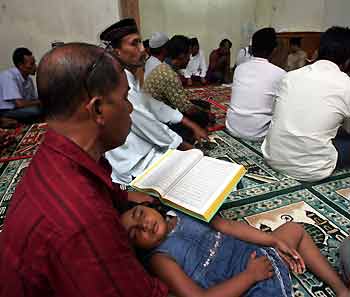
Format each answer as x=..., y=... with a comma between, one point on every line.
x=345, y=258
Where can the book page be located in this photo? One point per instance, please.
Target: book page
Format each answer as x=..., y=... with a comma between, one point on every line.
x=203, y=184
x=169, y=170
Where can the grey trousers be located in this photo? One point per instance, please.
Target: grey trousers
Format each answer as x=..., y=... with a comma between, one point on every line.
x=345, y=260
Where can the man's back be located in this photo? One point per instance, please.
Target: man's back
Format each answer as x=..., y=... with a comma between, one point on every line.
x=253, y=90
x=311, y=105
x=164, y=85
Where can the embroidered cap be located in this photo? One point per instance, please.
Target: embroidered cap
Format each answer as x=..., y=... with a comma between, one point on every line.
x=114, y=33
x=158, y=39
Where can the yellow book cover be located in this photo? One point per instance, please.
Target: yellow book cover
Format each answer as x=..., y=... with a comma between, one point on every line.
x=190, y=182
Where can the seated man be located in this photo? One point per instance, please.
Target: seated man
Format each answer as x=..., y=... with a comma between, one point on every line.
x=150, y=135
x=219, y=63
x=297, y=57
x=164, y=84
x=196, y=68
x=253, y=89
x=312, y=103
x=157, y=49
x=62, y=234
x=18, y=98
x=244, y=55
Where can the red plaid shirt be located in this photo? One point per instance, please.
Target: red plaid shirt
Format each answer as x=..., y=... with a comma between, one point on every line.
x=63, y=237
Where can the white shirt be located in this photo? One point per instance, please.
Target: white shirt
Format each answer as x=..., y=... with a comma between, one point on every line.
x=196, y=66
x=151, y=63
x=312, y=103
x=149, y=137
x=14, y=86
x=253, y=91
x=243, y=55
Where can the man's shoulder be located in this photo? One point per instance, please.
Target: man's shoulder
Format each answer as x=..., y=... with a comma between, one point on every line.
x=10, y=73
x=162, y=72
x=273, y=69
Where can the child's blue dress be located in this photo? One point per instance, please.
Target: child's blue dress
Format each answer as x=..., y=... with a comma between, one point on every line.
x=209, y=257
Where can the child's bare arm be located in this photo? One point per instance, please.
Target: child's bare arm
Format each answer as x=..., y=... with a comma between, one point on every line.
x=182, y=286
x=243, y=231
x=250, y=234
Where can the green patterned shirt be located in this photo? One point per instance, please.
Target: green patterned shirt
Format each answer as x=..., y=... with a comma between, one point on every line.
x=164, y=85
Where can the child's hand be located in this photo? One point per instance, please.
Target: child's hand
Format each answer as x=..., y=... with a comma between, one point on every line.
x=259, y=268
x=290, y=256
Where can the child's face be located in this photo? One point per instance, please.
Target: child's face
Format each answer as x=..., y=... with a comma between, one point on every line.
x=145, y=226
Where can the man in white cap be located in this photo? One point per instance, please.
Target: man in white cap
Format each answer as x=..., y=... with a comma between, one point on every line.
x=157, y=47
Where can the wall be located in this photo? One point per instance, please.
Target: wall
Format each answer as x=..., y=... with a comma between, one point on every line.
x=297, y=15
x=336, y=13
x=36, y=24
x=209, y=20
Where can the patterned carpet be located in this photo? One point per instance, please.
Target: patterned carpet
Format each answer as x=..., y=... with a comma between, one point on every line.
x=264, y=198
x=25, y=142
x=274, y=199
x=14, y=159
x=218, y=96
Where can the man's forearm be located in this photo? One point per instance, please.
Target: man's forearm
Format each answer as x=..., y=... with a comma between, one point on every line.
x=21, y=103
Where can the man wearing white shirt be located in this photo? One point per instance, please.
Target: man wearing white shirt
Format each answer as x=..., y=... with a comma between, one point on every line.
x=157, y=48
x=312, y=103
x=150, y=136
x=253, y=89
x=196, y=68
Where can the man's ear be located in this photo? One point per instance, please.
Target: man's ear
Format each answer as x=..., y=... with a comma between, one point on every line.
x=95, y=109
x=346, y=66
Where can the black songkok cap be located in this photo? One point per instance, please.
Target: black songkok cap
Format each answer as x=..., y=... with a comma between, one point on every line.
x=114, y=33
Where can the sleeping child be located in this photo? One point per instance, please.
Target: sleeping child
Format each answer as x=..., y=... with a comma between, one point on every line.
x=223, y=258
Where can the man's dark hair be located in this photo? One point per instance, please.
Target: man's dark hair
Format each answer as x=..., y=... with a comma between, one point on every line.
x=263, y=42
x=68, y=75
x=295, y=41
x=194, y=42
x=224, y=41
x=335, y=45
x=18, y=55
x=145, y=43
x=177, y=46
x=156, y=51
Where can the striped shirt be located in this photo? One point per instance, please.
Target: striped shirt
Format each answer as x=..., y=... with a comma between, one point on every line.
x=62, y=235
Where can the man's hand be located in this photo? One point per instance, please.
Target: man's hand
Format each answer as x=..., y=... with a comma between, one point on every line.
x=290, y=256
x=259, y=268
x=189, y=82
x=21, y=103
x=184, y=146
x=199, y=133
x=203, y=80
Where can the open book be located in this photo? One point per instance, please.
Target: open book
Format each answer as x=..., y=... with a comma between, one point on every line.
x=190, y=182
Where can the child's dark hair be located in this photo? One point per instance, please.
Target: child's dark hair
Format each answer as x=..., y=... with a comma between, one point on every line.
x=161, y=208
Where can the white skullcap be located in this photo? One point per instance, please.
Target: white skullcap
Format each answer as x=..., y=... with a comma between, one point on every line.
x=158, y=39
